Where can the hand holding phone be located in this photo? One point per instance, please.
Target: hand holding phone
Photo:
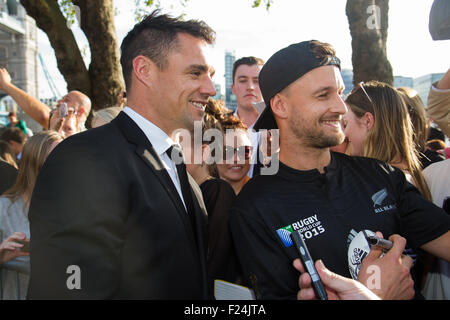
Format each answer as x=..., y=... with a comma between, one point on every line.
x=63, y=110
x=308, y=262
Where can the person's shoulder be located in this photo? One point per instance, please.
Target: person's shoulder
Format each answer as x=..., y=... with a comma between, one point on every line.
x=257, y=190
x=92, y=140
x=437, y=170
x=438, y=166
x=218, y=190
x=5, y=202
x=6, y=166
x=260, y=182
x=217, y=186
x=370, y=170
x=361, y=164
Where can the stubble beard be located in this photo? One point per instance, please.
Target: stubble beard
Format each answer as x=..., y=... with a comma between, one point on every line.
x=314, y=137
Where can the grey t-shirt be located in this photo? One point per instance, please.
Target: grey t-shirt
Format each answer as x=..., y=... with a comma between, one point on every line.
x=14, y=274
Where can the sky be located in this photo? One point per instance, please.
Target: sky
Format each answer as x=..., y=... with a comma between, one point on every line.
x=257, y=32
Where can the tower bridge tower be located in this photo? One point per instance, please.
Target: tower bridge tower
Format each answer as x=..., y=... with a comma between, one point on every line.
x=19, y=52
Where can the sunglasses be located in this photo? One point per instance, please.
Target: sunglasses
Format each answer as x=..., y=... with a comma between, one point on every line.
x=361, y=85
x=229, y=152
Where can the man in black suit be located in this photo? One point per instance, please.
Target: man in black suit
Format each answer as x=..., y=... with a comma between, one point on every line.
x=110, y=215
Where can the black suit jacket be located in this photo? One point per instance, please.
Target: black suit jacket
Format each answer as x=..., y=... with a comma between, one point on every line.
x=104, y=203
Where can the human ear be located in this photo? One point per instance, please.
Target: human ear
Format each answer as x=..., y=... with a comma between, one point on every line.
x=369, y=120
x=143, y=69
x=279, y=106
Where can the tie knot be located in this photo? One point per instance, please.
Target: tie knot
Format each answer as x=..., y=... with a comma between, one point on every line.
x=175, y=154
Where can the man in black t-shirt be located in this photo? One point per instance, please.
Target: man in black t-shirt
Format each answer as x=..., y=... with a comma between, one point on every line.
x=333, y=199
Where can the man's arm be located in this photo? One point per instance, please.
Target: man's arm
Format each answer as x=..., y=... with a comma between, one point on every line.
x=444, y=83
x=438, y=105
x=77, y=215
x=30, y=105
x=439, y=247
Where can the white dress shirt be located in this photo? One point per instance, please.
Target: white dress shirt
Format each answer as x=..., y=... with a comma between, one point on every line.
x=161, y=142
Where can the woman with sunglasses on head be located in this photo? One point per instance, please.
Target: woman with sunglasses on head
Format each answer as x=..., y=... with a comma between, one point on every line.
x=378, y=126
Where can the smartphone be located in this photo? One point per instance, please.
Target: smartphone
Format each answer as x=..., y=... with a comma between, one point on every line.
x=26, y=245
x=308, y=263
x=63, y=110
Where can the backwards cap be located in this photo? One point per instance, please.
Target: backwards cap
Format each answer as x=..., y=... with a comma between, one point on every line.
x=282, y=69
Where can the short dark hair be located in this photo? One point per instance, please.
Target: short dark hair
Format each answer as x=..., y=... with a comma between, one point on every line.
x=155, y=36
x=322, y=50
x=13, y=134
x=249, y=61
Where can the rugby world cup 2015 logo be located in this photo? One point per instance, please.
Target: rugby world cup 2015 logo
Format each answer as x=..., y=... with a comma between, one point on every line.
x=284, y=234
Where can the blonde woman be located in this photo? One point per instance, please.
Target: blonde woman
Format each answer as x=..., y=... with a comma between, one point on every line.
x=378, y=126
x=14, y=225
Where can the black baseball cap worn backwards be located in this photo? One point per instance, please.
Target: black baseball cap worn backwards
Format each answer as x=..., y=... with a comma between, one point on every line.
x=283, y=68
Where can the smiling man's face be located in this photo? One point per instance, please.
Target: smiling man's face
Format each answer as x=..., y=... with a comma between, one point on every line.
x=315, y=108
x=185, y=85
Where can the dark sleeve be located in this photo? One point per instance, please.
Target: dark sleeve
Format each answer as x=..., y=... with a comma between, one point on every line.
x=421, y=221
x=266, y=266
x=76, y=219
x=222, y=260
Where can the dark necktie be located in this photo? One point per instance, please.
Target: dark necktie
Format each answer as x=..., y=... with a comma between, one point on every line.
x=176, y=155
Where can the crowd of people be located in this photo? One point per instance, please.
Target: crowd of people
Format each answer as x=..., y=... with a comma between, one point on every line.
x=167, y=192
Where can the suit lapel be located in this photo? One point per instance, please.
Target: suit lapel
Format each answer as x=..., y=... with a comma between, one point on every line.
x=147, y=153
x=154, y=162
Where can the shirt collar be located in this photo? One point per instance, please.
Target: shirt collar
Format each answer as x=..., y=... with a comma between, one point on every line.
x=157, y=137
x=237, y=116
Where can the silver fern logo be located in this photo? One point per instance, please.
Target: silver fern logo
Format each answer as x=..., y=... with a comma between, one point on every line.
x=379, y=197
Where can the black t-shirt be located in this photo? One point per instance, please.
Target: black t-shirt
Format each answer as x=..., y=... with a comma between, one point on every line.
x=354, y=194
